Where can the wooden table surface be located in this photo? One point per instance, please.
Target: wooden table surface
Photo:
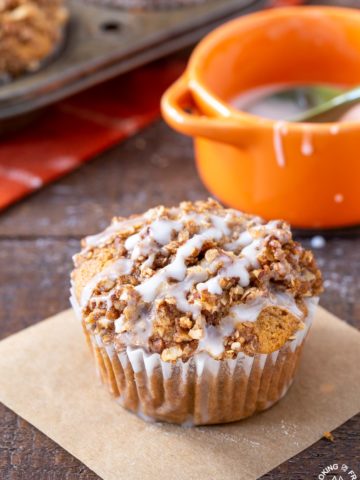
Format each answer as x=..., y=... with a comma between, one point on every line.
x=39, y=235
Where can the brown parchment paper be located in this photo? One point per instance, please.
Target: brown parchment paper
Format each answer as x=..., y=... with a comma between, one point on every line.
x=47, y=377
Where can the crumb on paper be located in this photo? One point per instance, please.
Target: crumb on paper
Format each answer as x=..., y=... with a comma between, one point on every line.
x=326, y=388
x=329, y=436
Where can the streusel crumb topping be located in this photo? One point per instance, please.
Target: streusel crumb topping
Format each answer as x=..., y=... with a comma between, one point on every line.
x=194, y=278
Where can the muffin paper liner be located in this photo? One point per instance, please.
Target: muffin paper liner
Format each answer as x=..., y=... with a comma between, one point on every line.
x=202, y=390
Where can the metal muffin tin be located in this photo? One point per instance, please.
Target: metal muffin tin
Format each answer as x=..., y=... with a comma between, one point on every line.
x=102, y=42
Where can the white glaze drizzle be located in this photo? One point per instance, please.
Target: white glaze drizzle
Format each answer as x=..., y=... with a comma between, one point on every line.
x=162, y=230
x=177, y=268
x=116, y=226
x=307, y=148
x=142, y=244
x=139, y=246
x=179, y=292
x=213, y=340
x=132, y=241
x=221, y=223
x=212, y=286
x=235, y=268
x=279, y=129
x=120, y=267
x=176, y=279
x=243, y=240
x=148, y=262
x=247, y=312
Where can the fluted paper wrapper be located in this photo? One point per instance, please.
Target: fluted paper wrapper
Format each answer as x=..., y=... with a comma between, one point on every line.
x=46, y=377
x=202, y=390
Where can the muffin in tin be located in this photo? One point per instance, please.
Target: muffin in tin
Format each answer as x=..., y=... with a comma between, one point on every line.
x=30, y=32
x=195, y=314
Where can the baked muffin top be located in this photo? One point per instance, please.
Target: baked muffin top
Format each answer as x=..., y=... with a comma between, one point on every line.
x=193, y=278
x=29, y=32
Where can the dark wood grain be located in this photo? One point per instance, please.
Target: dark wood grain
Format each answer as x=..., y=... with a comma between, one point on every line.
x=39, y=235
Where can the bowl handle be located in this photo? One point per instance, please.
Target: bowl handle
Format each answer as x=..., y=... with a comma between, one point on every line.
x=180, y=112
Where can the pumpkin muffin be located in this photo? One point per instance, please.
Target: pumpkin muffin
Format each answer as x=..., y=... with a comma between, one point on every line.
x=195, y=314
x=30, y=31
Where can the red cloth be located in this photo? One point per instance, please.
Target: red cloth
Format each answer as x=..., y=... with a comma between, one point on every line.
x=73, y=131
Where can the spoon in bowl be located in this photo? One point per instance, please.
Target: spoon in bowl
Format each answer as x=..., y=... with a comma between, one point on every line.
x=332, y=109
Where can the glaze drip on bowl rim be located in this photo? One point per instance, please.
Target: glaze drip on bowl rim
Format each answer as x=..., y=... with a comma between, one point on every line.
x=195, y=278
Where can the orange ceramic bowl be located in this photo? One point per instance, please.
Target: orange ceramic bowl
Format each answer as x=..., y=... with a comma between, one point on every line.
x=308, y=174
